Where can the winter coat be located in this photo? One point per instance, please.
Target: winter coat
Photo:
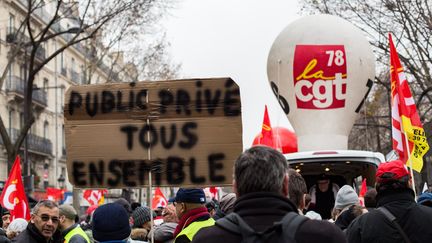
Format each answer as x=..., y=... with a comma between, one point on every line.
x=31, y=235
x=373, y=227
x=260, y=210
x=3, y=237
x=164, y=232
x=139, y=234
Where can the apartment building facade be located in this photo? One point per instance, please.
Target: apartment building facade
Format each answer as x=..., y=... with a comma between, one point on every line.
x=46, y=153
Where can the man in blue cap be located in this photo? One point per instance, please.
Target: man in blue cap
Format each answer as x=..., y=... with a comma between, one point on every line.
x=192, y=214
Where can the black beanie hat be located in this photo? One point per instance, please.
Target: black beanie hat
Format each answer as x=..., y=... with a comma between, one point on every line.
x=141, y=215
x=110, y=222
x=124, y=203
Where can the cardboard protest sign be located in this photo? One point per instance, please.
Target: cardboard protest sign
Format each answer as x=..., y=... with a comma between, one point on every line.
x=187, y=132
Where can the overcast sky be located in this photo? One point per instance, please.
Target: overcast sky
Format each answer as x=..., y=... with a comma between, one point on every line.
x=232, y=38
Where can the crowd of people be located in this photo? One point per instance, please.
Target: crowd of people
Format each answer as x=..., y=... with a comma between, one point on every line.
x=270, y=203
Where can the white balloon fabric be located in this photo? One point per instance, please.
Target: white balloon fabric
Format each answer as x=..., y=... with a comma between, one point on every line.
x=321, y=68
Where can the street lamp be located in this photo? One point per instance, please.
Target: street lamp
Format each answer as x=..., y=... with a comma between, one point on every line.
x=61, y=181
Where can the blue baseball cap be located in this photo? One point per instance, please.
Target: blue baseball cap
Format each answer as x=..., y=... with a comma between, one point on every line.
x=190, y=196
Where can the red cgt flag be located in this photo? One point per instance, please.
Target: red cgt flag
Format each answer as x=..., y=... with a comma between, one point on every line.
x=406, y=124
x=266, y=137
x=13, y=197
x=94, y=197
x=54, y=194
x=363, y=189
x=159, y=199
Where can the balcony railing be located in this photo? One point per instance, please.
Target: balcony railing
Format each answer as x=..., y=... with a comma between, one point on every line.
x=40, y=96
x=13, y=36
x=36, y=143
x=15, y=85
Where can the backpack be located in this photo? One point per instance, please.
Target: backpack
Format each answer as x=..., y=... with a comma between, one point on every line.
x=285, y=229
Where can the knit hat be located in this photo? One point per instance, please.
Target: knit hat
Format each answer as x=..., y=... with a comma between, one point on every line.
x=17, y=225
x=110, y=222
x=391, y=171
x=313, y=215
x=346, y=196
x=227, y=203
x=5, y=212
x=141, y=215
x=68, y=211
x=124, y=203
x=190, y=196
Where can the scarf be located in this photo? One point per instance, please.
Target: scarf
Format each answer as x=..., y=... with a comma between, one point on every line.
x=189, y=218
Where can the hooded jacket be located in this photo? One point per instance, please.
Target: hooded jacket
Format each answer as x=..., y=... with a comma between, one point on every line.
x=374, y=227
x=3, y=237
x=32, y=235
x=260, y=210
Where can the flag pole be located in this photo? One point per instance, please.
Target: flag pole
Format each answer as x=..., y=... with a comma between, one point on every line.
x=410, y=164
x=150, y=196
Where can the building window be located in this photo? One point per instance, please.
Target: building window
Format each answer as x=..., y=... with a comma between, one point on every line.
x=22, y=73
x=21, y=120
x=62, y=65
x=83, y=75
x=11, y=24
x=45, y=130
x=45, y=87
x=73, y=64
x=63, y=137
x=11, y=120
x=62, y=90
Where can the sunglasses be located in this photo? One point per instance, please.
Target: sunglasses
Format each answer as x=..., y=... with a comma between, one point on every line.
x=46, y=218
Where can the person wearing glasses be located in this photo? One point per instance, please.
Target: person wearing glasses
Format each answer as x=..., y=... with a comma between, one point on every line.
x=43, y=226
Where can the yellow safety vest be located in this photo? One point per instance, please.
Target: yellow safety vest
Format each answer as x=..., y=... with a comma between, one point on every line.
x=76, y=231
x=193, y=228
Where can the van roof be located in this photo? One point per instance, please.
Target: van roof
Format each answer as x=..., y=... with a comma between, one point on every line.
x=336, y=155
x=346, y=164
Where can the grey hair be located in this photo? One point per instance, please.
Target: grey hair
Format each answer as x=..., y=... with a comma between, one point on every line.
x=44, y=203
x=260, y=169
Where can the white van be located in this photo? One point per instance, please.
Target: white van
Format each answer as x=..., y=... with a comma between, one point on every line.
x=341, y=166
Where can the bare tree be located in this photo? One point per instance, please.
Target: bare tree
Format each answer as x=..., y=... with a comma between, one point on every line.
x=410, y=22
x=89, y=19
x=134, y=39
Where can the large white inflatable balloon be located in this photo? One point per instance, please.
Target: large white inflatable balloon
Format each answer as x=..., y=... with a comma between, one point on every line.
x=321, y=68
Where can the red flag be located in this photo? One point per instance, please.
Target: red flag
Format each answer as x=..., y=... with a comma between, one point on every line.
x=363, y=189
x=13, y=197
x=266, y=137
x=159, y=199
x=54, y=194
x=214, y=192
x=94, y=197
x=405, y=119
